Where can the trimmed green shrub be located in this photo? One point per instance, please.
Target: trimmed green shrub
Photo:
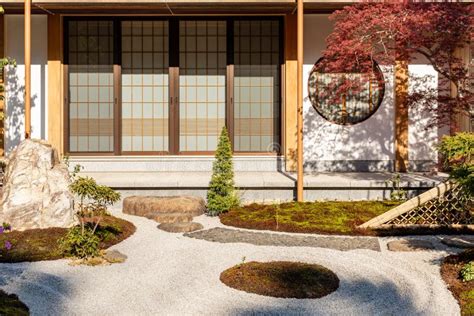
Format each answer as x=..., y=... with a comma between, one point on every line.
x=458, y=153
x=221, y=195
x=467, y=272
x=80, y=242
x=83, y=241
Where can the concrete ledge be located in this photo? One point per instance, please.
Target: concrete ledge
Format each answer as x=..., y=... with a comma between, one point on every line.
x=128, y=164
x=267, y=186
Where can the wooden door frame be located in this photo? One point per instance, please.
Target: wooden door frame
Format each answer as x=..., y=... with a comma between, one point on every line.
x=173, y=81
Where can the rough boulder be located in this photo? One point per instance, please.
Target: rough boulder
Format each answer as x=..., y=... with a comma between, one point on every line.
x=36, y=189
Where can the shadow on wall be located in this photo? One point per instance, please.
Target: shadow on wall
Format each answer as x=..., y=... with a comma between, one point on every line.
x=364, y=147
x=15, y=109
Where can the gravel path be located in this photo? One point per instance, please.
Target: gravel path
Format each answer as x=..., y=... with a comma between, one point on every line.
x=225, y=235
x=170, y=274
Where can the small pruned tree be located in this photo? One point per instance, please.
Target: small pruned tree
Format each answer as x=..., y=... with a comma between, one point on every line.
x=221, y=195
x=82, y=241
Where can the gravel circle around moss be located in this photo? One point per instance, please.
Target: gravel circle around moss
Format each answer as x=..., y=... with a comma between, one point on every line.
x=283, y=279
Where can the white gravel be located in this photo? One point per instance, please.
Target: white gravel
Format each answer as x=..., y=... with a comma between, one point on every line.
x=169, y=274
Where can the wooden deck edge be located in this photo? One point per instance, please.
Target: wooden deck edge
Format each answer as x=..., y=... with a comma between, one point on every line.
x=435, y=192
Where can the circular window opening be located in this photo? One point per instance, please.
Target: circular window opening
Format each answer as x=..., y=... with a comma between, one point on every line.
x=345, y=98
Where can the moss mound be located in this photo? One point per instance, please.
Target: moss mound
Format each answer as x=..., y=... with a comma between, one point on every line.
x=282, y=279
x=462, y=291
x=309, y=217
x=10, y=305
x=42, y=244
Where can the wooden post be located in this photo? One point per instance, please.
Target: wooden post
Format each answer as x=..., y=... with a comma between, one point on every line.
x=291, y=91
x=299, y=134
x=55, y=100
x=401, y=116
x=27, y=68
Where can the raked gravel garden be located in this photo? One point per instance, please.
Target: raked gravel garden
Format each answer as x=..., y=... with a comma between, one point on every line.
x=171, y=274
x=175, y=256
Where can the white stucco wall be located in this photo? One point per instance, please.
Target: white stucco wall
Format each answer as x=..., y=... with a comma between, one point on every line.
x=14, y=101
x=366, y=146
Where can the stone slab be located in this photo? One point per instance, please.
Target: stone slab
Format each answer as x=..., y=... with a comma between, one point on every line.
x=225, y=235
x=459, y=242
x=410, y=245
x=180, y=227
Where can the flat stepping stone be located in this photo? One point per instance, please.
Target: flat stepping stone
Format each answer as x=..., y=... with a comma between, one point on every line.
x=410, y=245
x=146, y=205
x=180, y=227
x=115, y=256
x=170, y=217
x=459, y=242
x=225, y=235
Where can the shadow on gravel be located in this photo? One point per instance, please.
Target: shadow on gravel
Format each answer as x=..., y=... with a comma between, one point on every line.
x=358, y=298
x=43, y=293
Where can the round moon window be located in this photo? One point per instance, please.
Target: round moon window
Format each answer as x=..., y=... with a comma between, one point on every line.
x=345, y=98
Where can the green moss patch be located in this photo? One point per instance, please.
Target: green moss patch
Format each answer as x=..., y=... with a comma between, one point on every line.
x=10, y=305
x=309, y=217
x=42, y=244
x=462, y=291
x=282, y=279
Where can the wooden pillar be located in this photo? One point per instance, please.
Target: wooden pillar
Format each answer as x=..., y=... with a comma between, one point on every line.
x=2, y=82
x=291, y=90
x=299, y=132
x=27, y=68
x=401, y=116
x=55, y=109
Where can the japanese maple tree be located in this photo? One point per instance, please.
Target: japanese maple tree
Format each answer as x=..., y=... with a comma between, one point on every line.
x=387, y=32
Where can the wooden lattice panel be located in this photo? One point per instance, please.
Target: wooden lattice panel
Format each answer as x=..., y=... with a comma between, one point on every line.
x=447, y=204
x=454, y=207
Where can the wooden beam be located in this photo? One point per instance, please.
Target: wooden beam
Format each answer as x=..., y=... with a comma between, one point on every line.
x=401, y=116
x=290, y=92
x=27, y=68
x=299, y=132
x=55, y=108
x=2, y=82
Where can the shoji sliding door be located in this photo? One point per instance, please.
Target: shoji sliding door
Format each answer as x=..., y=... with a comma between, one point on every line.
x=202, y=84
x=144, y=86
x=91, y=86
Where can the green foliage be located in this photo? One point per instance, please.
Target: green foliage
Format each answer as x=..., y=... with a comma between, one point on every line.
x=221, y=195
x=83, y=241
x=467, y=272
x=80, y=242
x=398, y=193
x=458, y=153
x=94, y=198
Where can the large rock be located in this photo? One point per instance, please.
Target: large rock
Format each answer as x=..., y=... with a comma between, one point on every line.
x=36, y=189
x=148, y=206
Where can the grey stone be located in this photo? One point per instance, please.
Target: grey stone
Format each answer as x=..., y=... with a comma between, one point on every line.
x=410, y=245
x=180, y=227
x=170, y=217
x=147, y=205
x=459, y=242
x=36, y=188
x=115, y=256
x=225, y=235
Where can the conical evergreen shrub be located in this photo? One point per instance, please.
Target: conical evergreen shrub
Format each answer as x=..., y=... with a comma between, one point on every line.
x=221, y=195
